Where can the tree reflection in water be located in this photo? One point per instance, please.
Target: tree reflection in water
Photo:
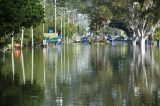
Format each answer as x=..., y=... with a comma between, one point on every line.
x=15, y=92
x=83, y=75
x=143, y=76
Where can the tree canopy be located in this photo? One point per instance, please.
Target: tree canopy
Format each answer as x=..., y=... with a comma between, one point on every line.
x=19, y=13
x=138, y=18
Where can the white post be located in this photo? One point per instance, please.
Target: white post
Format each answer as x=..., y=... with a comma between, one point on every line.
x=44, y=6
x=61, y=20
x=12, y=43
x=12, y=40
x=55, y=18
x=64, y=27
x=32, y=36
x=22, y=37
x=68, y=22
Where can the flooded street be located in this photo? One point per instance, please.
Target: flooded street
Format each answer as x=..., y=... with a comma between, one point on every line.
x=80, y=75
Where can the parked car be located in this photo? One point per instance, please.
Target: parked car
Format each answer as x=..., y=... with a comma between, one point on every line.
x=84, y=40
x=119, y=38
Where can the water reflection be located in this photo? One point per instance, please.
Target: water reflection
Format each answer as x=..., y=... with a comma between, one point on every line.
x=23, y=70
x=44, y=65
x=32, y=67
x=85, y=75
x=144, y=76
x=14, y=89
x=13, y=71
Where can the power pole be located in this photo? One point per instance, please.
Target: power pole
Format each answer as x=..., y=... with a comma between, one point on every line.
x=55, y=17
x=44, y=6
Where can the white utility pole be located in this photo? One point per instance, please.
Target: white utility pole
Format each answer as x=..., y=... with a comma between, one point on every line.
x=55, y=17
x=68, y=16
x=22, y=37
x=44, y=6
x=12, y=40
x=61, y=20
x=32, y=36
x=64, y=27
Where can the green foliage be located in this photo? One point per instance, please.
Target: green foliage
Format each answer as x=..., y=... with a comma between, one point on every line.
x=99, y=16
x=120, y=24
x=142, y=9
x=157, y=33
x=34, y=14
x=71, y=29
x=17, y=13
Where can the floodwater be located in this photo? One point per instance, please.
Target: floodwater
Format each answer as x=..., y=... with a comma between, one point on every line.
x=80, y=75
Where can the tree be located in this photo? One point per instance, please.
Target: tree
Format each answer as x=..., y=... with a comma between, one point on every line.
x=144, y=18
x=17, y=13
x=99, y=17
x=33, y=15
x=141, y=16
x=138, y=18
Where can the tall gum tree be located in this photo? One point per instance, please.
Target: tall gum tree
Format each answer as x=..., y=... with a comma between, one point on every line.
x=142, y=16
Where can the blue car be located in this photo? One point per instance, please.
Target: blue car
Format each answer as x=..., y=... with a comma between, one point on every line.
x=84, y=40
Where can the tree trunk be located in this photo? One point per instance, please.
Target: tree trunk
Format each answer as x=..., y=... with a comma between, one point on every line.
x=142, y=42
x=134, y=40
